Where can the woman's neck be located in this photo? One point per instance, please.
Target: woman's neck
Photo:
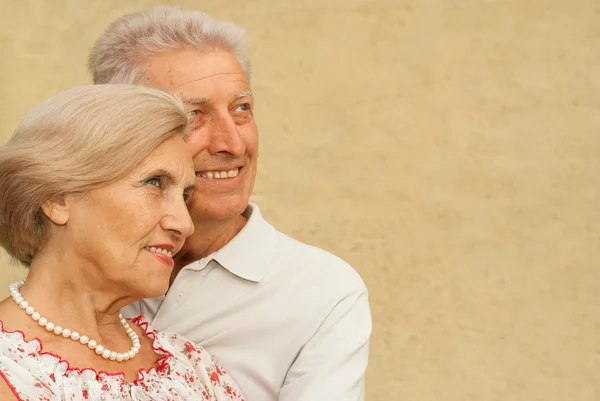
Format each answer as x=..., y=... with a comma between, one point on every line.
x=60, y=291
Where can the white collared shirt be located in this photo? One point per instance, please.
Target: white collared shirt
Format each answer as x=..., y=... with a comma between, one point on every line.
x=287, y=321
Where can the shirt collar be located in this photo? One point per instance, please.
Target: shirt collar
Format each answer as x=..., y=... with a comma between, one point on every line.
x=248, y=254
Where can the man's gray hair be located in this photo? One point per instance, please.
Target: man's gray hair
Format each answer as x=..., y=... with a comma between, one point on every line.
x=120, y=53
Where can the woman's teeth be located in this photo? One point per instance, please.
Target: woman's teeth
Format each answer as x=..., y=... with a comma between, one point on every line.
x=160, y=250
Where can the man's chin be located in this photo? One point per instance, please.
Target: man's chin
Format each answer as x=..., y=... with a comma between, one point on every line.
x=220, y=210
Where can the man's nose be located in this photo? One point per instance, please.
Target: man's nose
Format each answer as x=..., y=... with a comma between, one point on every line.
x=225, y=136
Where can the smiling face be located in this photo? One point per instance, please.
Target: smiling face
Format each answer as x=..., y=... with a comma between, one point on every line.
x=224, y=138
x=126, y=233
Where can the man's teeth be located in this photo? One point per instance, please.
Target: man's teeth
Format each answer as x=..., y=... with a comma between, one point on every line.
x=220, y=174
x=160, y=250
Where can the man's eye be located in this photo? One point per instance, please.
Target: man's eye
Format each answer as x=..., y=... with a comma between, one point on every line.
x=243, y=107
x=154, y=181
x=193, y=113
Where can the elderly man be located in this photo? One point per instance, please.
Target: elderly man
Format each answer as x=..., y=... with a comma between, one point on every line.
x=290, y=322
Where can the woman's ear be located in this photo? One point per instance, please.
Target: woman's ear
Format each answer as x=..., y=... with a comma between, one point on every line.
x=57, y=211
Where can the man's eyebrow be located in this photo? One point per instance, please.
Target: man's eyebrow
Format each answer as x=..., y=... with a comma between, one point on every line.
x=243, y=94
x=199, y=101
x=196, y=100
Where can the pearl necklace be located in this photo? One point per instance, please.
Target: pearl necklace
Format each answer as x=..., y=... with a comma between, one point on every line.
x=75, y=336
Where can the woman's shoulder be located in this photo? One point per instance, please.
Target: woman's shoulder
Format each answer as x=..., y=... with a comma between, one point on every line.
x=176, y=345
x=167, y=340
x=19, y=364
x=187, y=359
x=15, y=346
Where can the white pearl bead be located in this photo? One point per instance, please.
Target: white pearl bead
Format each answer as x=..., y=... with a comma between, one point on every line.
x=75, y=336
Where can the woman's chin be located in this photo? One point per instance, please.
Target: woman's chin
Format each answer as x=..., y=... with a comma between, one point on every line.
x=156, y=291
x=154, y=287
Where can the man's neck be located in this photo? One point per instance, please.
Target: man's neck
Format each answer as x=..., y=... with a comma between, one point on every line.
x=208, y=237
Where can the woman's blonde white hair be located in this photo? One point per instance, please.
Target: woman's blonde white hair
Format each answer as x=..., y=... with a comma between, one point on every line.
x=121, y=52
x=77, y=141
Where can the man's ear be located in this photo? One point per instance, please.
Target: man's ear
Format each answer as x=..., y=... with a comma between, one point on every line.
x=57, y=211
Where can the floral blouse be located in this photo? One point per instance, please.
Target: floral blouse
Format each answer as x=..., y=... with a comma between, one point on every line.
x=183, y=372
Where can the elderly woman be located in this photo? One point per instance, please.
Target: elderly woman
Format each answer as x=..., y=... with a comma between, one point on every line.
x=93, y=190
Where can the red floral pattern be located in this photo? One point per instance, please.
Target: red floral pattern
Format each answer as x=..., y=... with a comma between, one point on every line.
x=184, y=372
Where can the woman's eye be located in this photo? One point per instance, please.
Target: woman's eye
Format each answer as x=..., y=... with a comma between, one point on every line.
x=187, y=196
x=154, y=181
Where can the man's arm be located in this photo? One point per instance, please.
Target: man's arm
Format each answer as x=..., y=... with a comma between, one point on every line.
x=332, y=365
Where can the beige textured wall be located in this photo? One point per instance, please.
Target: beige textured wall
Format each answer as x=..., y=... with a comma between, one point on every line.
x=447, y=149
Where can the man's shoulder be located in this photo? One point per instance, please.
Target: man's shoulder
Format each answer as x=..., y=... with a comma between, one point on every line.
x=313, y=262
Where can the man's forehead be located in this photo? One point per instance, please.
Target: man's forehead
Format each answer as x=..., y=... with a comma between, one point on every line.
x=188, y=66
x=229, y=78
